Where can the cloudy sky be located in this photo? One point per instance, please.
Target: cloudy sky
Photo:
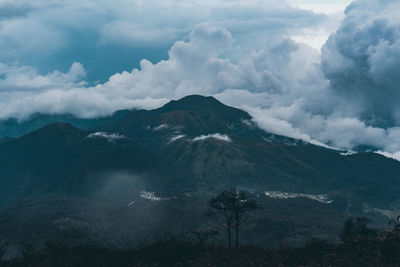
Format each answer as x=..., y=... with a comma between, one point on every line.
x=323, y=71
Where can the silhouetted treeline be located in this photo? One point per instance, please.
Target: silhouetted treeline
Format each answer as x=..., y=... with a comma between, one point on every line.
x=363, y=250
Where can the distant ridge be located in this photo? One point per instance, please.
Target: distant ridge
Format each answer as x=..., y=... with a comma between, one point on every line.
x=15, y=128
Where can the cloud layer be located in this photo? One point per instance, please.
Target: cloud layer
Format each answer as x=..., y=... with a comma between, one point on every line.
x=118, y=34
x=343, y=96
x=362, y=60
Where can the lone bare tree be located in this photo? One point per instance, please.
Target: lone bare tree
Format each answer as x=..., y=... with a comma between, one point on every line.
x=235, y=207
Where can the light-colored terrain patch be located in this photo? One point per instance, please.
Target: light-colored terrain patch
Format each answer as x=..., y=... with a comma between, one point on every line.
x=284, y=195
x=151, y=196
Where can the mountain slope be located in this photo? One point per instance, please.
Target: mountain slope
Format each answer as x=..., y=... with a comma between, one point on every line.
x=193, y=144
x=202, y=143
x=152, y=172
x=60, y=158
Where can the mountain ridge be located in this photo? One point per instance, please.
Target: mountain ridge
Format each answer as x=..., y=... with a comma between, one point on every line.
x=63, y=179
x=199, y=141
x=14, y=128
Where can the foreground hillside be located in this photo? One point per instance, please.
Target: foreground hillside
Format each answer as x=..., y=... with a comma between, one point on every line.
x=371, y=252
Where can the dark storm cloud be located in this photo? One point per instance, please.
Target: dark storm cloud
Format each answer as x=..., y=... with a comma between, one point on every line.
x=9, y=10
x=362, y=59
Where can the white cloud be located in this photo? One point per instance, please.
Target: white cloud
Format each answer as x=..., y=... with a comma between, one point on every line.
x=16, y=78
x=395, y=155
x=110, y=137
x=327, y=6
x=176, y=137
x=216, y=136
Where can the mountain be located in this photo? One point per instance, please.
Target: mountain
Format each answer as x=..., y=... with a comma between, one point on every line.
x=60, y=158
x=202, y=143
x=15, y=128
x=157, y=169
x=193, y=144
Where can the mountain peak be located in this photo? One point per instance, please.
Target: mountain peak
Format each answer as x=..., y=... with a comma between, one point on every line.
x=56, y=130
x=192, y=102
x=59, y=126
x=201, y=103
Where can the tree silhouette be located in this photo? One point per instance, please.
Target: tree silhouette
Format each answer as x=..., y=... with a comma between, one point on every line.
x=348, y=231
x=2, y=251
x=235, y=207
x=396, y=225
x=394, y=234
x=357, y=230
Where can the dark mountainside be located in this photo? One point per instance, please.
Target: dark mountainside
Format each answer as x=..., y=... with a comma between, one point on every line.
x=14, y=128
x=95, y=184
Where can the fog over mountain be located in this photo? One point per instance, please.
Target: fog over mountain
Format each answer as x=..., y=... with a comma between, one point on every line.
x=91, y=58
